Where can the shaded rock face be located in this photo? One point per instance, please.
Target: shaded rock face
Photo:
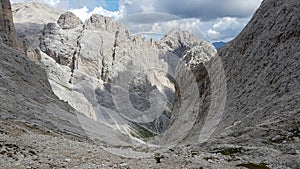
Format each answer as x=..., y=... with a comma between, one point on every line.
x=7, y=29
x=6, y=18
x=8, y=33
x=261, y=68
x=26, y=98
x=26, y=94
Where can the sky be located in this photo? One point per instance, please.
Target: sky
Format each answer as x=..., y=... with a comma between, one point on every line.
x=211, y=20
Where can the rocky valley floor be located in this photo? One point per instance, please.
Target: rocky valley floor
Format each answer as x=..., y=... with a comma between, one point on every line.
x=26, y=146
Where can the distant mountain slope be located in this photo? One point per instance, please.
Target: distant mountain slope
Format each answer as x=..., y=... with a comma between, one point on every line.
x=104, y=71
x=218, y=45
x=27, y=12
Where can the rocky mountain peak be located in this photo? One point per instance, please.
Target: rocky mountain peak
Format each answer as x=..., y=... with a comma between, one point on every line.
x=239, y=109
x=68, y=20
x=7, y=29
x=27, y=12
x=102, y=23
x=179, y=41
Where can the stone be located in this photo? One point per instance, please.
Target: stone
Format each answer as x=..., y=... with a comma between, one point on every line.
x=8, y=34
x=69, y=20
x=100, y=61
x=234, y=102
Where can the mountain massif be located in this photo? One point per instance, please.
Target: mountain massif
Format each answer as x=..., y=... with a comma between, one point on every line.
x=89, y=94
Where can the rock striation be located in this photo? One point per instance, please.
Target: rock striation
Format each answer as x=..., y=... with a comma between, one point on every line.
x=240, y=105
x=112, y=76
x=68, y=20
x=260, y=79
x=27, y=98
x=26, y=94
x=7, y=29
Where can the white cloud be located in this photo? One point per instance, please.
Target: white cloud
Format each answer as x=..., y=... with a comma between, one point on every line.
x=225, y=23
x=49, y=2
x=220, y=29
x=84, y=13
x=204, y=9
x=212, y=34
x=212, y=20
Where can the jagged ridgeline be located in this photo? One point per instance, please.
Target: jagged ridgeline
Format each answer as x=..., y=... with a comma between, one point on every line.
x=93, y=82
x=106, y=73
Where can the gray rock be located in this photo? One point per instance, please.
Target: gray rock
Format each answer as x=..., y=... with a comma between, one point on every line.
x=104, y=53
x=249, y=95
x=243, y=106
x=69, y=20
x=8, y=34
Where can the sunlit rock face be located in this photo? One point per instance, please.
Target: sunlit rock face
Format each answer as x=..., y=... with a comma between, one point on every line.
x=106, y=73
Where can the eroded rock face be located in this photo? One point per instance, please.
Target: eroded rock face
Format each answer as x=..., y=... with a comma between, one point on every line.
x=7, y=29
x=262, y=68
x=28, y=25
x=95, y=54
x=27, y=99
x=8, y=33
x=26, y=94
x=69, y=20
x=112, y=76
x=261, y=104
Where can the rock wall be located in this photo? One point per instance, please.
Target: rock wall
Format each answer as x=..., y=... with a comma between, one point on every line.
x=26, y=94
x=260, y=82
x=262, y=69
x=7, y=29
x=111, y=76
x=26, y=97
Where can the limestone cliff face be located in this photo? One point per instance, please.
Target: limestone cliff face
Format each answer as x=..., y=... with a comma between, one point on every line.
x=26, y=96
x=8, y=33
x=262, y=69
x=261, y=85
x=111, y=76
x=7, y=29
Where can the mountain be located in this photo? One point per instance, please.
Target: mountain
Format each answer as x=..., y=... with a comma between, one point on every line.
x=249, y=95
x=218, y=45
x=95, y=96
x=96, y=67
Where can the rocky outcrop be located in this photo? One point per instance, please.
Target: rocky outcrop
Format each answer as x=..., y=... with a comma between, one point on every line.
x=103, y=60
x=28, y=25
x=8, y=33
x=261, y=66
x=26, y=94
x=7, y=29
x=259, y=73
x=68, y=20
x=112, y=76
x=26, y=98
